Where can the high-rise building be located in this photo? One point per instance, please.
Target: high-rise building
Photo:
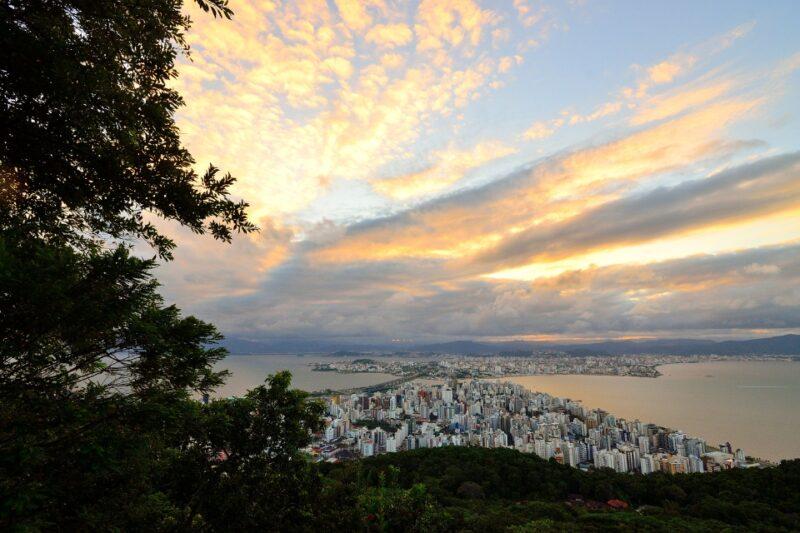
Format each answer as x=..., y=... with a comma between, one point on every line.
x=644, y=445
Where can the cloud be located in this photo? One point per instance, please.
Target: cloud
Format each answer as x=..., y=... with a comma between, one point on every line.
x=451, y=24
x=681, y=63
x=309, y=103
x=665, y=106
x=543, y=129
x=787, y=66
x=354, y=14
x=757, y=268
x=392, y=60
x=651, y=108
x=389, y=35
x=605, y=110
x=292, y=96
x=206, y=270
x=539, y=130
x=528, y=16
x=340, y=66
x=766, y=186
x=507, y=62
x=554, y=189
x=668, y=70
x=449, y=166
x=419, y=298
x=727, y=39
x=693, y=295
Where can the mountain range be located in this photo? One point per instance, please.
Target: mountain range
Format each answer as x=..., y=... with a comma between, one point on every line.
x=781, y=345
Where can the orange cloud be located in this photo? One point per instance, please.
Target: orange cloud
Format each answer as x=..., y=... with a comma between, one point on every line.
x=392, y=60
x=453, y=24
x=668, y=70
x=354, y=14
x=607, y=109
x=552, y=191
x=207, y=270
x=450, y=165
x=389, y=35
x=292, y=96
x=665, y=106
x=681, y=63
x=539, y=130
x=527, y=16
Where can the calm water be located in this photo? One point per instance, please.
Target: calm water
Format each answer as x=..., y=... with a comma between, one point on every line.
x=754, y=405
x=248, y=371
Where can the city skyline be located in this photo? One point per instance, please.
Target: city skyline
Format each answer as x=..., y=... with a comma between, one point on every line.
x=497, y=414
x=500, y=170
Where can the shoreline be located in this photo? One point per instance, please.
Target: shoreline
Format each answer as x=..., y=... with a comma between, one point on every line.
x=721, y=411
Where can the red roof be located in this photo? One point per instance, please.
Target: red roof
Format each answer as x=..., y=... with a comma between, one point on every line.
x=617, y=504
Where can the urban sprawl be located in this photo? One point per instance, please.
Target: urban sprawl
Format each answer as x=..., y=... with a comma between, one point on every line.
x=446, y=366
x=494, y=414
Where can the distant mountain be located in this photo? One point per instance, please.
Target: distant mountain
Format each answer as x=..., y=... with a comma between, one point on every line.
x=461, y=347
x=782, y=345
x=239, y=346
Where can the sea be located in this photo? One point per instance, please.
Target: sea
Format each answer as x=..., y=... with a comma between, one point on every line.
x=248, y=371
x=754, y=405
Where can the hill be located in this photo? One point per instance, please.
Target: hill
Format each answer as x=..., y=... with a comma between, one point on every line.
x=782, y=345
x=479, y=489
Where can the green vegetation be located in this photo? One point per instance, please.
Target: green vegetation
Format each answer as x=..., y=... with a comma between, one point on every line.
x=100, y=427
x=477, y=489
x=89, y=142
x=372, y=424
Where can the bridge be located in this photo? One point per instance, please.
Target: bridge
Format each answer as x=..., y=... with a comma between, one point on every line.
x=369, y=389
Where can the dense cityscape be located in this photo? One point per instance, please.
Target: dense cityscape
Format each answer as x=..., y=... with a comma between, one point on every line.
x=462, y=366
x=496, y=414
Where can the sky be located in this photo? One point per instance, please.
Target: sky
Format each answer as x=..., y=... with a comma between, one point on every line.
x=532, y=170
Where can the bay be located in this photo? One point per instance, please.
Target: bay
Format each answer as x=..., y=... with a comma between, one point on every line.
x=248, y=371
x=752, y=404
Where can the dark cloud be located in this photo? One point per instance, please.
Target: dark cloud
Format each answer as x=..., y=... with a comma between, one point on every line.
x=426, y=298
x=766, y=186
x=755, y=289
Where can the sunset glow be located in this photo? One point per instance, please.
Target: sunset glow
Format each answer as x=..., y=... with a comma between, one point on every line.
x=518, y=169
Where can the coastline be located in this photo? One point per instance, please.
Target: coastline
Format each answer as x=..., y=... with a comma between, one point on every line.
x=748, y=404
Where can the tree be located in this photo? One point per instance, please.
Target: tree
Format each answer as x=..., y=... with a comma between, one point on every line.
x=88, y=141
x=69, y=317
x=471, y=490
x=258, y=478
x=100, y=427
x=95, y=377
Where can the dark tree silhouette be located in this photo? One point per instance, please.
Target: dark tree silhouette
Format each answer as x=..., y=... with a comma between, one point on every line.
x=88, y=141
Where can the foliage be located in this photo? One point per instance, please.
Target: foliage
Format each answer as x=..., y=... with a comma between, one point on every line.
x=99, y=423
x=257, y=477
x=388, y=507
x=524, y=493
x=370, y=423
x=100, y=427
x=69, y=317
x=89, y=141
